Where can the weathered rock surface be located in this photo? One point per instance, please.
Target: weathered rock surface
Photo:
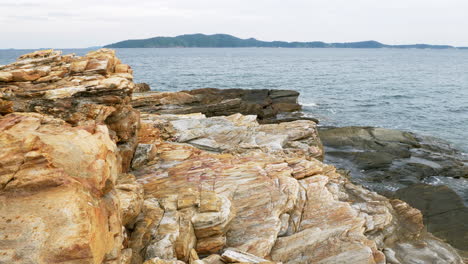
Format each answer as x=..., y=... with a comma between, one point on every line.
x=239, y=133
x=57, y=200
x=394, y=155
x=233, y=255
x=386, y=160
x=284, y=206
x=83, y=91
x=266, y=104
x=63, y=196
x=83, y=181
x=444, y=213
x=141, y=87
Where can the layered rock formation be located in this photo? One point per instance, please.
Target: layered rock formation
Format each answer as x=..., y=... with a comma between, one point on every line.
x=58, y=201
x=239, y=133
x=82, y=181
x=67, y=136
x=266, y=104
x=83, y=91
x=286, y=206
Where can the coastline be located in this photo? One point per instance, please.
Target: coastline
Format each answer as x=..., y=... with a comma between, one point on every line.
x=387, y=163
x=90, y=168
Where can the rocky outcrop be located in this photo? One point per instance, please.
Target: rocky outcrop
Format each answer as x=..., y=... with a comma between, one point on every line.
x=83, y=181
x=57, y=197
x=141, y=87
x=386, y=160
x=83, y=91
x=239, y=133
x=67, y=135
x=444, y=212
x=387, y=154
x=284, y=205
x=265, y=104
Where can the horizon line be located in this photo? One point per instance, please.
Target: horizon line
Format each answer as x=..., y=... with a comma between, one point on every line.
x=344, y=42
x=333, y=42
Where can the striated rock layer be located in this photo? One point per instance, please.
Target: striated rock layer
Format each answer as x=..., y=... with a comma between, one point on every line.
x=266, y=104
x=280, y=205
x=83, y=91
x=83, y=181
x=58, y=202
x=67, y=135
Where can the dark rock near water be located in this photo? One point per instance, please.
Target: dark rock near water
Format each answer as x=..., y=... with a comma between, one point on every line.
x=444, y=213
x=264, y=103
x=141, y=87
x=391, y=155
x=396, y=163
x=287, y=117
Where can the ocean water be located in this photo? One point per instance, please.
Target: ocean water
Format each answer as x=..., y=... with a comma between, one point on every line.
x=424, y=91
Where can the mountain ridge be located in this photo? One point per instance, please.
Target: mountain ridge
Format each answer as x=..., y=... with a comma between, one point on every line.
x=199, y=40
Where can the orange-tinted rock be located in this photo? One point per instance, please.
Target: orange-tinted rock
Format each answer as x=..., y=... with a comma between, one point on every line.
x=213, y=259
x=142, y=87
x=6, y=107
x=210, y=245
x=279, y=205
x=239, y=133
x=130, y=195
x=186, y=239
x=84, y=91
x=145, y=225
x=57, y=198
x=25, y=75
x=6, y=77
x=227, y=185
x=122, y=68
x=38, y=54
x=232, y=255
x=78, y=66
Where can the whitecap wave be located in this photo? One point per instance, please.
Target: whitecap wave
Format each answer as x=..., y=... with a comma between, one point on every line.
x=309, y=104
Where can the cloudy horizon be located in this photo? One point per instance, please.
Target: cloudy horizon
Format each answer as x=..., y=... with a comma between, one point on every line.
x=80, y=24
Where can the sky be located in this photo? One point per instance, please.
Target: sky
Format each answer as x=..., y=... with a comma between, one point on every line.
x=86, y=23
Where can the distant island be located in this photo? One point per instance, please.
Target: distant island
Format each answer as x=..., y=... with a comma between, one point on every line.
x=228, y=41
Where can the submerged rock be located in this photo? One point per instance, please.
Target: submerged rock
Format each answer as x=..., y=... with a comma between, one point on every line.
x=444, y=213
x=386, y=160
x=392, y=155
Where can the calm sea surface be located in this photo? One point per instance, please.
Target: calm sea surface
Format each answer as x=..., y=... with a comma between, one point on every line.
x=424, y=91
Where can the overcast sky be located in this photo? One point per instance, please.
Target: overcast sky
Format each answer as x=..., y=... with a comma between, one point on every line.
x=84, y=23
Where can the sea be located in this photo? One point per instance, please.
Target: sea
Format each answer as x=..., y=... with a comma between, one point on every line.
x=418, y=90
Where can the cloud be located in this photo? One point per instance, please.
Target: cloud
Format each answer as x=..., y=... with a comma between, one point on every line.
x=19, y=4
x=68, y=23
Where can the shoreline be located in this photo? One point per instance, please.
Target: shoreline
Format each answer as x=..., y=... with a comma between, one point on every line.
x=93, y=169
x=384, y=162
x=451, y=128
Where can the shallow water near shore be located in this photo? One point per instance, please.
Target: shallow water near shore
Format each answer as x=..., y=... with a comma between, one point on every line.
x=423, y=91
